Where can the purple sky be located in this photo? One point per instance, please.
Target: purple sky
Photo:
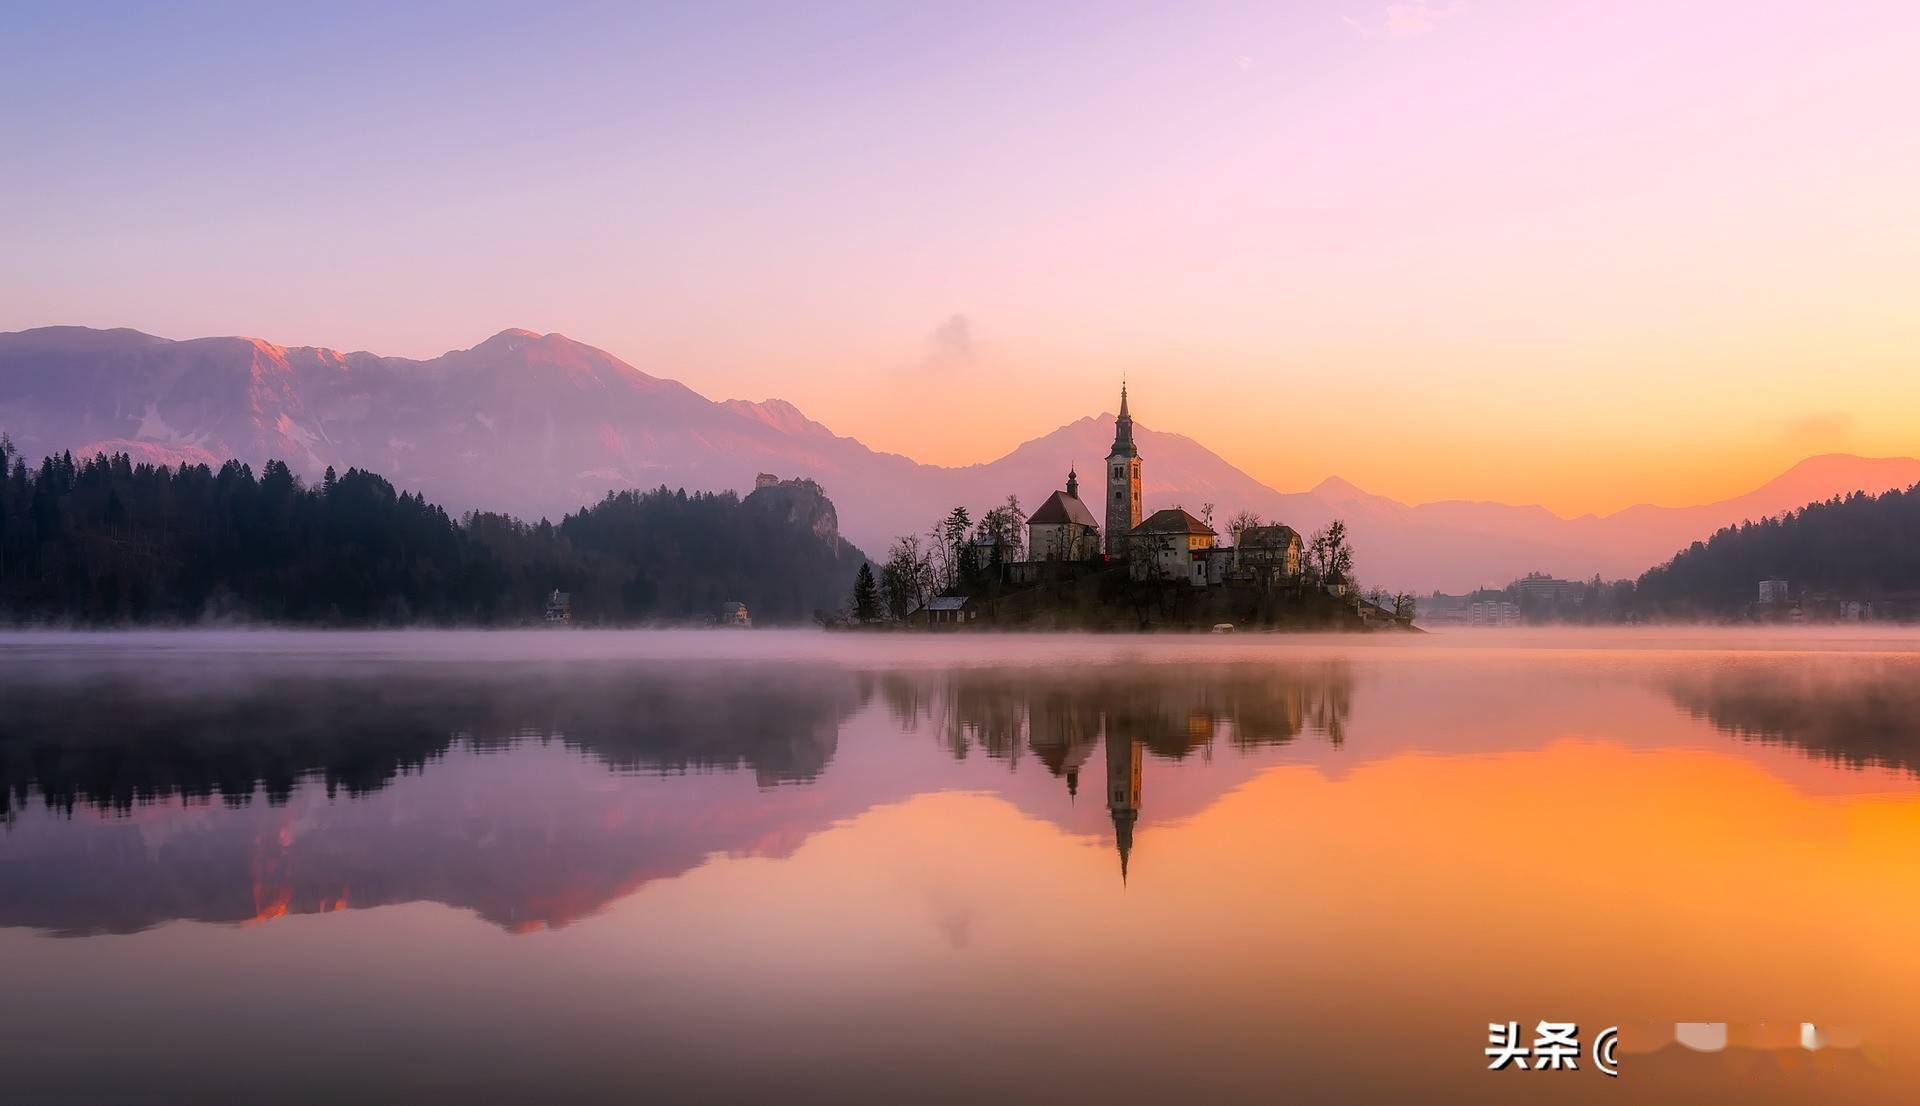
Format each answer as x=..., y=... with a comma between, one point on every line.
x=1576, y=253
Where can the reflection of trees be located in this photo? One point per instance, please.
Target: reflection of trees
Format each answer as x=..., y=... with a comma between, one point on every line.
x=116, y=740
x=1174, y=710
x=1857, y=718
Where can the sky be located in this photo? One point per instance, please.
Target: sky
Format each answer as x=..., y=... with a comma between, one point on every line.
x=1580, y=254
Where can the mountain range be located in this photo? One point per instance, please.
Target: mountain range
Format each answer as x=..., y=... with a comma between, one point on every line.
x=540, y=424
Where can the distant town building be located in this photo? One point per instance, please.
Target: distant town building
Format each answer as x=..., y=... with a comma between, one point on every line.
x=1540, y=589
x=559, y=607
x=1774, y=591
x=1123, y=482
x=1063, y=529
x=735, y=614
x=1170, y=545
x=1493, y=612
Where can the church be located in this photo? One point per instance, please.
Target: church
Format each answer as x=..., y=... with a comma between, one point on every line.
x=1169, y=545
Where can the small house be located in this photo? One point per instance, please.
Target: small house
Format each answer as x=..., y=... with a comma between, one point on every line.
x=949, y=611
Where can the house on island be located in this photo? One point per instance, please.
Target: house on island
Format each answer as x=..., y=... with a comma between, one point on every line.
x=1269, y=554
x=948, y=610
x=1170, y=545
x=735, y=615
x=559, y=608
x=988, y=552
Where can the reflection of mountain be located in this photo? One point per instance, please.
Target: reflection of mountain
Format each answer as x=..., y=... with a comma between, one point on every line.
x=1868, y=715
x=113, y=742
x=488, y=787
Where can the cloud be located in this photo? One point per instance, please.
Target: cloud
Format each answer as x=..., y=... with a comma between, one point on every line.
x=1406, y=19
x=952, y=345
x=1816, y=431
x=951, y=341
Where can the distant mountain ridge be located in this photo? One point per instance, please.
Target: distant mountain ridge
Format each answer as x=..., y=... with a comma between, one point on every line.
x=540, y=424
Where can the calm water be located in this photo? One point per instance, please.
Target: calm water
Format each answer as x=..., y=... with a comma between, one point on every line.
x=727, y=867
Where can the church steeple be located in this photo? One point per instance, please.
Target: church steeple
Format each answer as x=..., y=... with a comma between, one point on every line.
x=1123, y=429
x=1123, y=793
x=1073, y=483
x=1123, y=481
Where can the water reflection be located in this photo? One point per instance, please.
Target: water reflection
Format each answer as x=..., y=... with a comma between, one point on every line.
x=126, y=739
x=509, y=809
x=873, y=880
x=1864, y=713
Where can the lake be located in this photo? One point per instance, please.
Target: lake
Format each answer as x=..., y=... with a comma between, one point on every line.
x=726, y=867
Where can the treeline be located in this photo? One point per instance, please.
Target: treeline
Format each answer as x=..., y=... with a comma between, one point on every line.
x=956, y=553
x=1855, y=549
x=1859, y=546
x=108, y=541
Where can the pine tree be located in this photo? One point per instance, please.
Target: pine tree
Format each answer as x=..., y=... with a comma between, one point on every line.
x=866, y=595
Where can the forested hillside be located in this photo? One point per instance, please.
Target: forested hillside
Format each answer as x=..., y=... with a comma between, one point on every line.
x=1864, y=547
x=108, y=541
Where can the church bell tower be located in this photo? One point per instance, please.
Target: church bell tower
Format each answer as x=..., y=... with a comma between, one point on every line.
x=1123, y=482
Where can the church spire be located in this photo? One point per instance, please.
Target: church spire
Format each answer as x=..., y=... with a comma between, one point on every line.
x=1123, y=794
x=1073, y=482
x=1123, y=428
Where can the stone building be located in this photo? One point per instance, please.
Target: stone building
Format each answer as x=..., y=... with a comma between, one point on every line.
x=1063, y=529
x=1170, y=545
x=1270, y=553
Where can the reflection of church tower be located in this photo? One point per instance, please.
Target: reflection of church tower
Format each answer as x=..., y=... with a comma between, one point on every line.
x=1123, y=482
x=1123, y=793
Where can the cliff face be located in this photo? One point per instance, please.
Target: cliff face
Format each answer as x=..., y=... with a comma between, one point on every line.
x=798, y=505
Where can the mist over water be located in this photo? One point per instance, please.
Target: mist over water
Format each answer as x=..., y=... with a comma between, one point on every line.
x=711, y=865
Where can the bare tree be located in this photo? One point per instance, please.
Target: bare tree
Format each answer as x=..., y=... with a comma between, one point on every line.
x=1329, y=557
x=1240, y=523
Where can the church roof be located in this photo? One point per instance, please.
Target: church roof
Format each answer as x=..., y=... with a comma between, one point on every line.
x=1062, y=508
x=1173, y=520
